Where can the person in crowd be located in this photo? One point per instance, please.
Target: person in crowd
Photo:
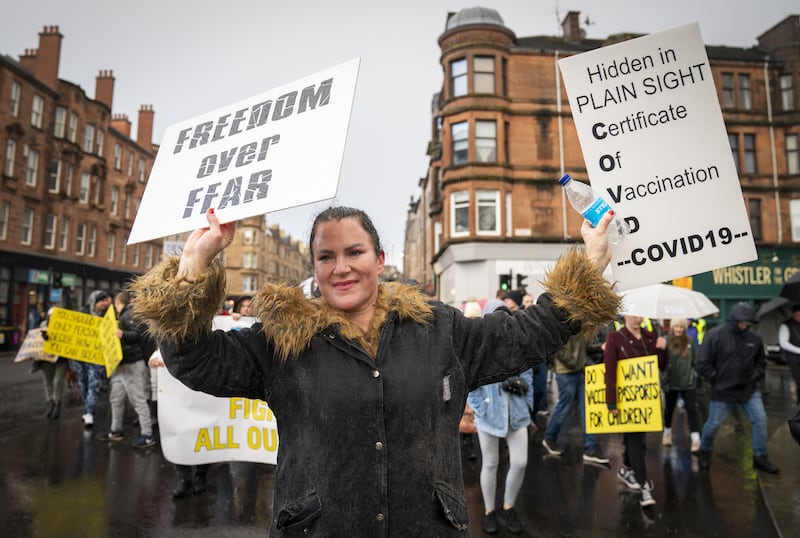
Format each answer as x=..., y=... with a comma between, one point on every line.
x=733, y=361
x=789, y=340
x=527, y=300
x=189, y=479
x=242, y=307
x=366, y=378
x=467, y=427
x=54, y=375
x=90, y=376
x=130, y=379
x=513, y=301
x=502, y=411
x=681, y=382
x=570, y=362
x=631, y=341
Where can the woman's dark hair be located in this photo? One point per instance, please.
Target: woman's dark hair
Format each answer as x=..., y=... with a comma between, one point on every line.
x=339, y=213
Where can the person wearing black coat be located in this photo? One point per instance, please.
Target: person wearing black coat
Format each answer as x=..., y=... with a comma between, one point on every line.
x=368, y=382
x=733, y=362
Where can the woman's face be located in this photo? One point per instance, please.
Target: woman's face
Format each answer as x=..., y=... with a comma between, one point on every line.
x=678, y=330
x=346, y=266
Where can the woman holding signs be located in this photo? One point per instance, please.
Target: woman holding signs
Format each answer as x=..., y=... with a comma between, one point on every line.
x=368, y=382
x=628, y=342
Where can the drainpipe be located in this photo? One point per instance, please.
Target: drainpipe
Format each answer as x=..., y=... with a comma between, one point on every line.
x=772, y=151
x=561, y=147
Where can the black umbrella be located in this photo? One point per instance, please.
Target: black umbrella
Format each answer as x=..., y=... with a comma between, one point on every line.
x=773, y=304
x=791, y=290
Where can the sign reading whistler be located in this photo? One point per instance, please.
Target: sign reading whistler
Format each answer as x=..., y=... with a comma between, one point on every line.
x=276, y=150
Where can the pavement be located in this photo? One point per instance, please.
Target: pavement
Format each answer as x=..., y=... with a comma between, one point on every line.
x=57, y=479
x=781, y=492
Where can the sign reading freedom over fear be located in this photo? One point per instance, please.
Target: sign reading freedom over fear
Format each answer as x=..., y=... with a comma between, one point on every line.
x=276, y=150
x=638, y=397
x=656, y=148
x=84, y=337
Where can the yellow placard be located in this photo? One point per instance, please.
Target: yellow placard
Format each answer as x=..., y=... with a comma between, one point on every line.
x=638, y=397
x=83, y=337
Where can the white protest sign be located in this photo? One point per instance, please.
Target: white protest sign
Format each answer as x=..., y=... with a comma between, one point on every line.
x=276, y=150
x=656, y=148
x=197, y=428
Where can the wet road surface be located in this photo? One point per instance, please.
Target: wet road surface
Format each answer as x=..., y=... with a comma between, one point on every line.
x=57, y=479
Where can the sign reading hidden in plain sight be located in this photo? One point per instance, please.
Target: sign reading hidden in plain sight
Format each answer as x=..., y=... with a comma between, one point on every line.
x=638, y=397
x=656, y=148
x=276, y=150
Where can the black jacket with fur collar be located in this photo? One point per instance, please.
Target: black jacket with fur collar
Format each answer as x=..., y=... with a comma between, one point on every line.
x=368, y=423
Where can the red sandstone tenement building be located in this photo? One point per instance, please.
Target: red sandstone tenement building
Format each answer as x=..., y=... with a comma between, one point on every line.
x=502, y=134
x=71, y=178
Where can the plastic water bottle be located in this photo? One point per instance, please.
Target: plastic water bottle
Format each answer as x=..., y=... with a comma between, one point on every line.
x=593, y=207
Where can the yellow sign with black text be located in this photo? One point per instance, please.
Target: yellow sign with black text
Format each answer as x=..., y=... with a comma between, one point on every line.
x=84, y=337
x=638, y=397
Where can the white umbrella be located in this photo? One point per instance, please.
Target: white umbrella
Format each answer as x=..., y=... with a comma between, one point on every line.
x=663, y=301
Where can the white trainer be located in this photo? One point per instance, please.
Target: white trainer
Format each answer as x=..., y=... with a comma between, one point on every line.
x=647, y=494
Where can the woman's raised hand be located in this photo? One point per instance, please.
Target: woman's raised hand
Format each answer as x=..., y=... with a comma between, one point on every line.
x=596, y=241
x=204, y=244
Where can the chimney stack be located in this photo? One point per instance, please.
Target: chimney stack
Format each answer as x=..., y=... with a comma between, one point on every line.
x=28, y=60
x=571, y=26
x=49, y=56
x=144, y=131
x=104, y=87
x=121, y=123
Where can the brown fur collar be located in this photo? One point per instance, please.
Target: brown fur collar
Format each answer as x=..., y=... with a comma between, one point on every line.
x=577, y=287
x=290, y=319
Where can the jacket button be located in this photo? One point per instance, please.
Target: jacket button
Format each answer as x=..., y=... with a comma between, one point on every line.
x=379, y=517
x=378, y=446
x=376, y=374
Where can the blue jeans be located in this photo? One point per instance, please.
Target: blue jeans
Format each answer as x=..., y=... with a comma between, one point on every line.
x=718, y=411
x=570, y=388
x=539, y=388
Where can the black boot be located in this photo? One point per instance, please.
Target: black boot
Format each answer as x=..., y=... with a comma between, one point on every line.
x=705, y=459
x=761, y=463
x=183, y=487
x=51, y=405
x=200, y=483
x=56, y=411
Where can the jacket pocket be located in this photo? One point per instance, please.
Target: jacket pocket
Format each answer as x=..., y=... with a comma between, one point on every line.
x=300, y=518
x=454, y=506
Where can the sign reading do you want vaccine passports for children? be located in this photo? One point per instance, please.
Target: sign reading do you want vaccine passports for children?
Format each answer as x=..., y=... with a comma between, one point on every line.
x=656, y=148
x=279, y=149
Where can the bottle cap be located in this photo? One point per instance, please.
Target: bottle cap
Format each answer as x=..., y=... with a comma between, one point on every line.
x=565, y=179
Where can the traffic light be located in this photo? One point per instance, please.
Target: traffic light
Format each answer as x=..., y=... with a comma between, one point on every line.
x=521, y=281
x=56, y=280
x=505, y=282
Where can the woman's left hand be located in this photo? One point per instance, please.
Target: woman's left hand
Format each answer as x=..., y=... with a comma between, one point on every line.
x=596, y=241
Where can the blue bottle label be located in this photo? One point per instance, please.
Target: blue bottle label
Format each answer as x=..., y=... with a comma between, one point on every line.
x=595, y=212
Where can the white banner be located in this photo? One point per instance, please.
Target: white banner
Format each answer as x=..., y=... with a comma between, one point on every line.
x=196, y=428
x=656, y=148
x=276, y=150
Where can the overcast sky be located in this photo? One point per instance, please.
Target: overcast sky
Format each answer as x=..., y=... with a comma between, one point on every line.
x=187, y=57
